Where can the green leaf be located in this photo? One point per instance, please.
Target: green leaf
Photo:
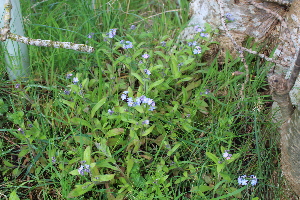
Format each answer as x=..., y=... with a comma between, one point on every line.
x=71, y=104
x=114, y=132
x=138, y=77
x=13, y=195
x=130, y=164
x=81, y=189
x=97, y=106
x=79, y=121
x=156, y=83
x=148, y=131
x=184, y=79
x=102, y=178
x=213, y=157
x=174, y=149
x=87, y=155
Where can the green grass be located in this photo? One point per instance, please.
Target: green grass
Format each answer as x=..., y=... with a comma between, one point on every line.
x=178, y=155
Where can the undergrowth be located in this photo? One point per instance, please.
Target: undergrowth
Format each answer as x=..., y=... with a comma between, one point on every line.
x=143, y=117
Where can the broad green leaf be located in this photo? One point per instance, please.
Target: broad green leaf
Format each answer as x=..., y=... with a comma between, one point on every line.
x=213, y=157
x=148, y=131
x=97, y=106
x=114, y=132
x=156, y=83
x=13, y=195
x=184, y=79
x=130, y=163
x=71, y=104
x=138, y=77
x=174, y=149
x=81, y=189
x=87, y=155
x=102, y=178
x=79, y=121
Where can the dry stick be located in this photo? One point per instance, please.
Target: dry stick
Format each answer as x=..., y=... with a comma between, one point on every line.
x=6, y=34
x=237, y=47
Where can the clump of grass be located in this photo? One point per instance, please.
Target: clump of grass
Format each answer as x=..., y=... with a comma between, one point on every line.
x=143, y=117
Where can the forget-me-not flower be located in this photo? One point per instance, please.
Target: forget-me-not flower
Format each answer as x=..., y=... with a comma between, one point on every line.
x=197, y=50
x=145, y=56
x=242, y=180
x=147, y=71
x=75, y=80
x=112, y=33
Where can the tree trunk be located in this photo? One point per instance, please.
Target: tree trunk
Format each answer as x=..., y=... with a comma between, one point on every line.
x=269, y=29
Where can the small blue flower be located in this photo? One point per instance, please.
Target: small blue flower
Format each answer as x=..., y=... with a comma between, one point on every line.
x=242, y=180
x=229, y=17
x=21, y=130
x=112, y=33
x=145, y=56
x=197, y=50
x=198, y=29
x=194, y=43
x=17, y=85
x=110, y=112
x=67, y=92
x=204, y=35
x=69, y=76
x=84, y=168
x=53, y=159
x=146, y=122
x=163, y=43
x=151, y=108
x=147, y=71
x=123, y=96
x=127, y=45
x=133, y=27
x=75, y=80
x=253, y=180
x=90, y=35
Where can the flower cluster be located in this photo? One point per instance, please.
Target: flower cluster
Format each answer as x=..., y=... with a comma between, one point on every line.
x=226, y=155
x=194, y=43
x=242, y=180
x=201, y=31
x=197, y=50
x=112, y=33
x=84, y=168
x=138, y=101
x=126, y=44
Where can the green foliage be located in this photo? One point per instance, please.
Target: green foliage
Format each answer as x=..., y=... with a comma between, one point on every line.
x=118, y=132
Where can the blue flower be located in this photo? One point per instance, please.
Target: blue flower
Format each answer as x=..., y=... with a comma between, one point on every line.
x=17, y=85
x=145, y=56
x=194, y=43
x=204, y=35
x=127, y=45
x=229, y=17
x=163, y=43
x=123, y=96
x=75, y=80
x=67, y=92
x=84, y=168
x=253, y=180
x=147, y=71
x=198, y=29
x=112, y=33
x=132, y=27
x=90, y=35
x=146, y=122
x=69, y=76
x=242, y=180
x=197, y=50
x=110, y=111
